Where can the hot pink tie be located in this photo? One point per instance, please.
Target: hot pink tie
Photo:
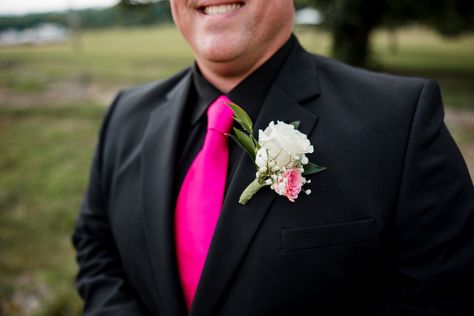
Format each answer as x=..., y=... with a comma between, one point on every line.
x=200, y=198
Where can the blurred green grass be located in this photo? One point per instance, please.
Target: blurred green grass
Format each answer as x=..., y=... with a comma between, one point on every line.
x=48, y=135
x=44, y=161
x=112, y=56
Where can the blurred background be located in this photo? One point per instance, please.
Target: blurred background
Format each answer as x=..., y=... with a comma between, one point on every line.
x=61, y=63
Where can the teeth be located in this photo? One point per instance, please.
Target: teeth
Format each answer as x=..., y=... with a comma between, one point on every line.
x=219, y=9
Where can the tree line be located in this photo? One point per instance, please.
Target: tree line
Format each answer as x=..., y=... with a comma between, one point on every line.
x=125, y=13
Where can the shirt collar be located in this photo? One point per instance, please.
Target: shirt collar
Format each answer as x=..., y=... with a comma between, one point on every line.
x=249, y=93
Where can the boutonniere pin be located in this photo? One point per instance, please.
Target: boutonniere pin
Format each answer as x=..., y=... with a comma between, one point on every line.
x=279, y=155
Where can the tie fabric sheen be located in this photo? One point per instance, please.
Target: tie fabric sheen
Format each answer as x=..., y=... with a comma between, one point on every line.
x=200, y=198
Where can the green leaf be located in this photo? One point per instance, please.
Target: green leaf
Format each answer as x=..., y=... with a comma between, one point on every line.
x=312, y=168
x=296, y=124
x=245, y=141
x=241, y=117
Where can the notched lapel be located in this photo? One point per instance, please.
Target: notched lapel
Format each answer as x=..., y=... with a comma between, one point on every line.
x=238, y=224
x=158, y=165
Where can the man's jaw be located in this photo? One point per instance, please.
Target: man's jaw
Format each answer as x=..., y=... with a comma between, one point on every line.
x=220, y=8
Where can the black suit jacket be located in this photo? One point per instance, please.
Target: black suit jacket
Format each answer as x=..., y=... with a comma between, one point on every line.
x=388, y=229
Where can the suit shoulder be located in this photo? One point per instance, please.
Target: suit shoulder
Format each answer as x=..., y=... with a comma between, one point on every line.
x=133, y=96
x=375, y=100
x=129, y=113
x=136, y=102
x=369, y=82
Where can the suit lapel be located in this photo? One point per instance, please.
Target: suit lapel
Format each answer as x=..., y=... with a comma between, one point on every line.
x=158, y=166
x=238, y=224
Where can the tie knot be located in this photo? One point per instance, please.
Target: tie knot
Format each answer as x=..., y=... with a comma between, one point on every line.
x=220, y=115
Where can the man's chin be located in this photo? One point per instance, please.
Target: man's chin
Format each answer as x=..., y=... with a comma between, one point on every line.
x=220, y=52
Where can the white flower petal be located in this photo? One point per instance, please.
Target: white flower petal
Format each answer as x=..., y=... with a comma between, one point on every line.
x=261, y=157
x=284, y=143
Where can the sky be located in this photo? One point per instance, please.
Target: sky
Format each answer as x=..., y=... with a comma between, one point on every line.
x=8, y=7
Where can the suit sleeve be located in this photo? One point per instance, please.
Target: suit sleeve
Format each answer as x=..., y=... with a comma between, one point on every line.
x=101, y=281
x=432, y=239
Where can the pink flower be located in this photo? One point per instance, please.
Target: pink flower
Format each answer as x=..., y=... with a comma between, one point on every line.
x=289, y=184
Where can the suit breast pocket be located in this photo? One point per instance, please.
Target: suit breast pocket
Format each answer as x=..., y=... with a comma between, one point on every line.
x=327, y=235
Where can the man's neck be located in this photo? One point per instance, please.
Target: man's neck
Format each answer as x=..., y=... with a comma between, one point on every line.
x=227, y=75
x=223, y=82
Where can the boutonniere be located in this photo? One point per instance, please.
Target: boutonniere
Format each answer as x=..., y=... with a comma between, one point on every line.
x=279, y=155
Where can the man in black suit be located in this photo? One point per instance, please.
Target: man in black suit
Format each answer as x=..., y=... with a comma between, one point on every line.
x=387, y=230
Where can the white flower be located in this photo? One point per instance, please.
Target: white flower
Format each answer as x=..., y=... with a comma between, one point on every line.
x=261, y=158
x=280, y=157
x=282, y=143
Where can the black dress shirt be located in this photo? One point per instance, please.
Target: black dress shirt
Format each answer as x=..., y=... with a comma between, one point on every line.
x=249, y=94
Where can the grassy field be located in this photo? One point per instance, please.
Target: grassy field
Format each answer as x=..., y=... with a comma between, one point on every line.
x=51, y=102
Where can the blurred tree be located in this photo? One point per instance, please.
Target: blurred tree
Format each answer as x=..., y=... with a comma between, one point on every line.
x=139, y=12
x=352, y=21
x=131, y=13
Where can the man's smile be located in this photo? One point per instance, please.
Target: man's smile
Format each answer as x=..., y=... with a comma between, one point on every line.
x=220, y=8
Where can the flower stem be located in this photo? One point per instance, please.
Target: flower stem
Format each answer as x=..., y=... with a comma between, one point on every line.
x=250, y=190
